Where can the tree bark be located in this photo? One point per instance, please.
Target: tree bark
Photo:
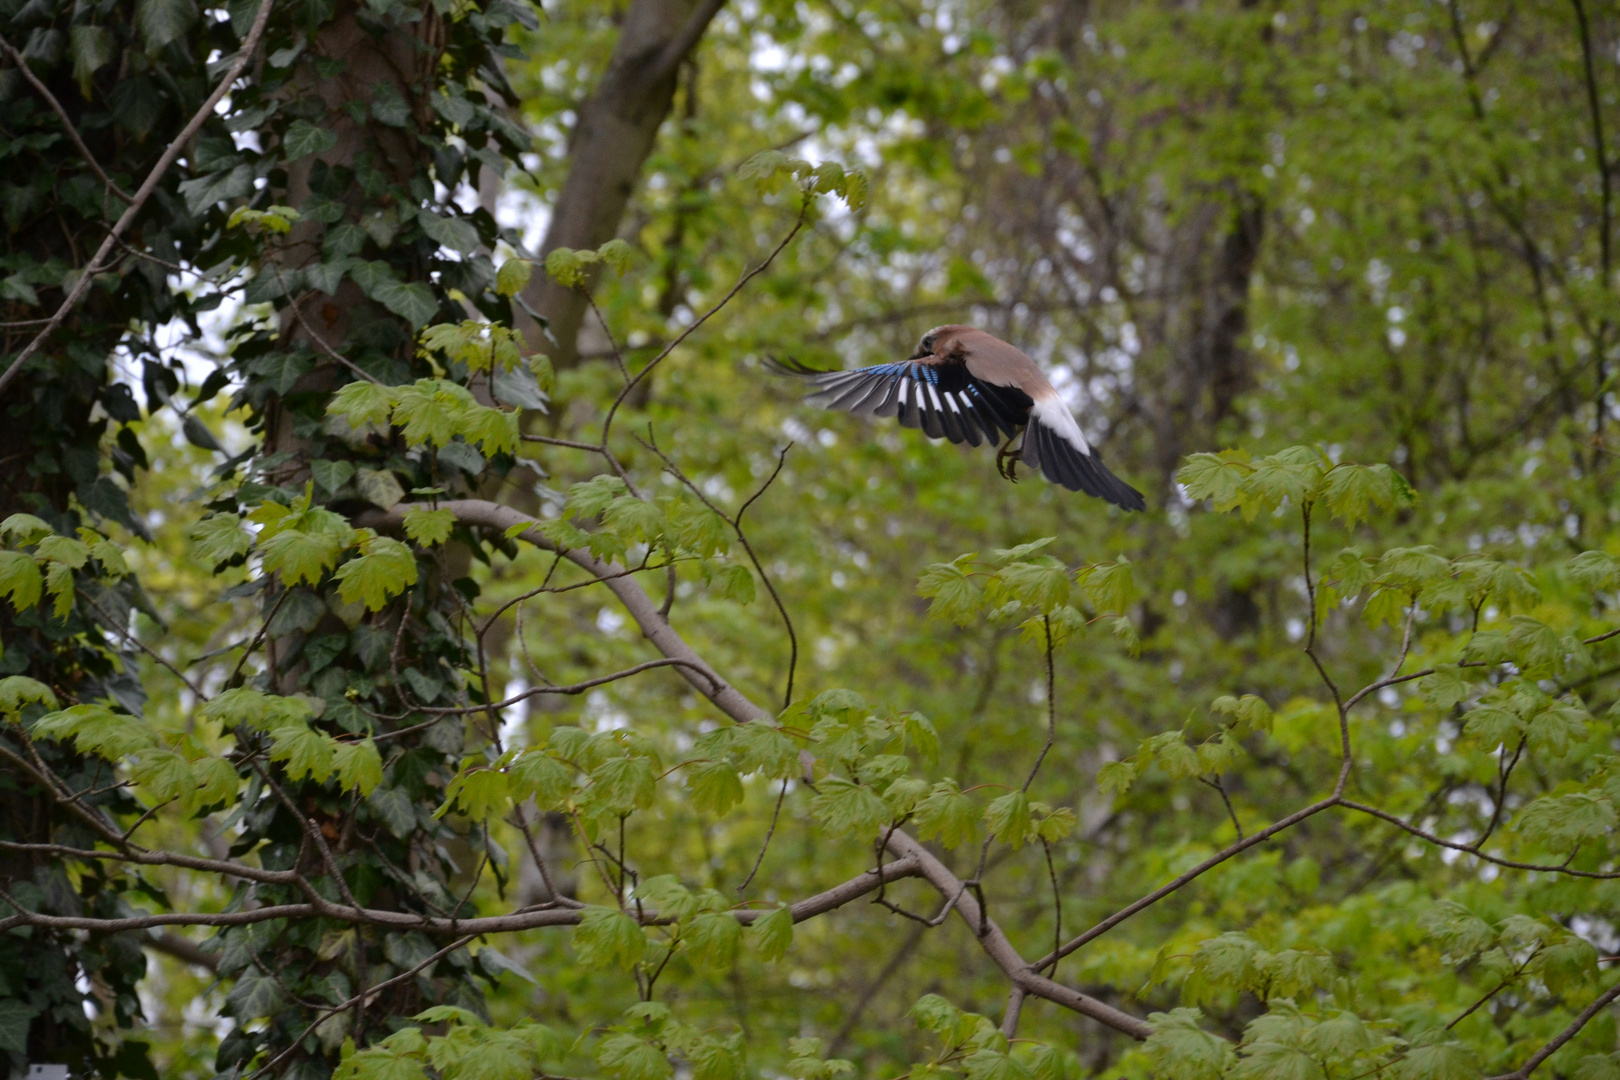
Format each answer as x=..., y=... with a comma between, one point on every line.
x=617, y=128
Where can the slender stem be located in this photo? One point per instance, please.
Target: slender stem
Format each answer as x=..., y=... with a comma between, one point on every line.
x=607, y=424
x=770, y=832
x=56, y=106
x=1602, y=1002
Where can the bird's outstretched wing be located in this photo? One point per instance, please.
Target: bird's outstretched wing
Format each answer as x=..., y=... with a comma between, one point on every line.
x=943, y=399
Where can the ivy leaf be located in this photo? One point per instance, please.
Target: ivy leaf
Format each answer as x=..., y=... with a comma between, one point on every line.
x=455, y=233
x=331, y=475
x=92, y=48
x=410, y=300
x=378, y=487
x=608, y=938
x=429, y=527
x=162, y=21
x=773, y=934
x=304, y=138
x=384, y=568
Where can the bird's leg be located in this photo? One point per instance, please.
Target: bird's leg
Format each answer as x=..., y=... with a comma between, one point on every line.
x=1007, y=459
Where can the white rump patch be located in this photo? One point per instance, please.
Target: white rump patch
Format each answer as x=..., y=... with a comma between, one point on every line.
x=1050, y=412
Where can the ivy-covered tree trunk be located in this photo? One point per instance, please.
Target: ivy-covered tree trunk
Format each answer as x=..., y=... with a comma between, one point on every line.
x=355, y=115
x=319, y=180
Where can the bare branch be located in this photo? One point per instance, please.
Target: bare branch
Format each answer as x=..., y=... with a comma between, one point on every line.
x=995, y=943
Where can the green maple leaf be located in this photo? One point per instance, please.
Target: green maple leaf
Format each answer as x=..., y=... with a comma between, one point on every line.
x=298, y=556
x=384, y=568
x=428, y=527
x=364, y=403
x=219, y=538
x=357, y=765
x=307, y=752
x=773, y=934
x=20, y=579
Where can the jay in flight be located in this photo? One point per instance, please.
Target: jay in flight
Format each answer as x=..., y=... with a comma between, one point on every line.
x=963, y=384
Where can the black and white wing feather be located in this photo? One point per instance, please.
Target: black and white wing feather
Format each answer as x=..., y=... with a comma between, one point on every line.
x=943, y=399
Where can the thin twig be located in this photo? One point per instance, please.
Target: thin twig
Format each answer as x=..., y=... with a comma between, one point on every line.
x=1202, y=868
x=607, y=423
x=1423, y=834
x=56, y=106
x=1602, y=1002
x=176, y=147
x=770, y=832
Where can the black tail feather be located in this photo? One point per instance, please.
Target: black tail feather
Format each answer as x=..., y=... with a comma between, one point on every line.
x=1066, y=466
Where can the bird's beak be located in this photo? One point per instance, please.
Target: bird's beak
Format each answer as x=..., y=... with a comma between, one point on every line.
x=919, y=355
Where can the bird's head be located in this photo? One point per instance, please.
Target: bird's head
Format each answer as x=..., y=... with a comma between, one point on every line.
x=937, y=342
x=925, y=347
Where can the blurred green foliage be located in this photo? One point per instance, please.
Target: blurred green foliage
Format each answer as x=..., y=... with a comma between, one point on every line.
x=1332, y=282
